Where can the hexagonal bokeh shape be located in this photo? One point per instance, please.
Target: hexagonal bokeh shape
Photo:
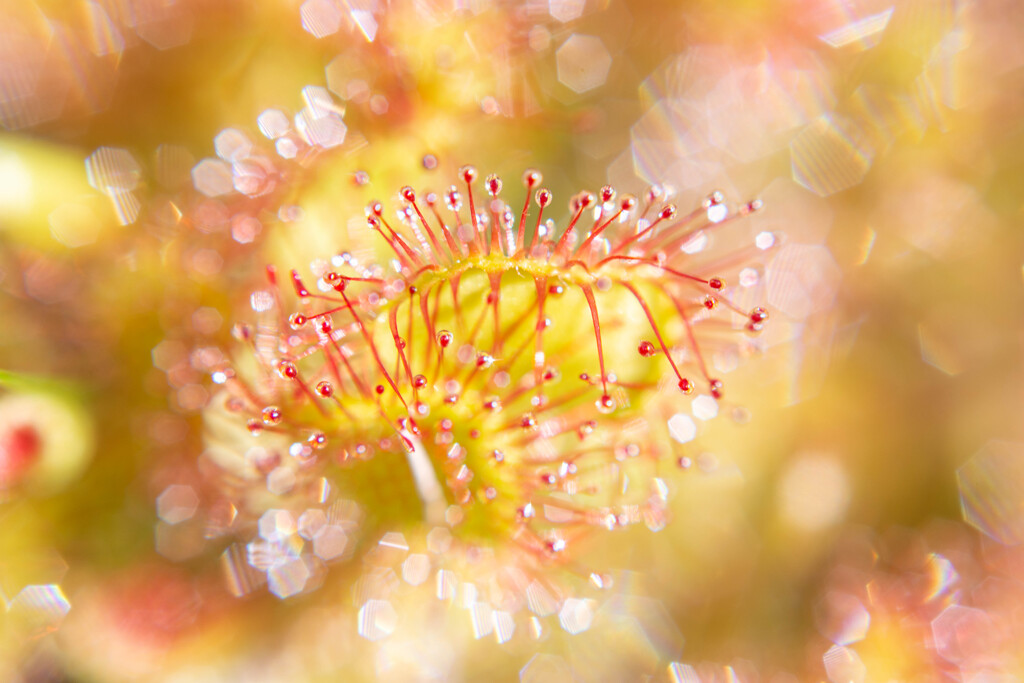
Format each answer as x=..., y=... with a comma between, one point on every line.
x=830, y=155
x=566, y=10
x=962, y=634
x=273, y=123
x=276, y=525
x=802, y=279
x=288, y=578
x=991, y=490
x=213, y=177
x=416, y=569
x=682, y=428
x=842, y=618
x=177, y=503
x=320, y=18
x=330, y=542
x=576, y=615
x=583, y=62
x=544, y=668
x=807, y=219
x=39, y=608
x=377, y=619
x=843, y=665
x=325, y=131
x=112, y=168
x=232, y=145
x=637, y=635
x=704, y=407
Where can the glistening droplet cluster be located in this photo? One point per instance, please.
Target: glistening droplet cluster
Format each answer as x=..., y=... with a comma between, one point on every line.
x=514, y=385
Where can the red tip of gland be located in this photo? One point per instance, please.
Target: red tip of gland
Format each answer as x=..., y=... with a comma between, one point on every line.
x=452, y=199
x=297, y=320
x=668, y=211
x=607, y=194
x=419, y=381
x=586, y=200
x=271, y=415
x=287, y=370
x=493, y=184
x=628, y=203
x=300, y=288
x=544, y=198
x=716, y=283
x=710, y=302
x=532, y=178
x=379, y=389
x=375, y=208
x=716, y=388
x=468, y=173
x=408, y=194
x=325, y=389
x=444, y=338
x=686, y=386
x=646, y=349
x=758, y=315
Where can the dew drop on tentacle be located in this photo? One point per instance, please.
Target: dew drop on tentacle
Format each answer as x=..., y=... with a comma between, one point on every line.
x=493, y=185
x=286, y=369
x=271, y=416
x=453, y=199
x=515, y=429
x=716, y=388
x=532, y=178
